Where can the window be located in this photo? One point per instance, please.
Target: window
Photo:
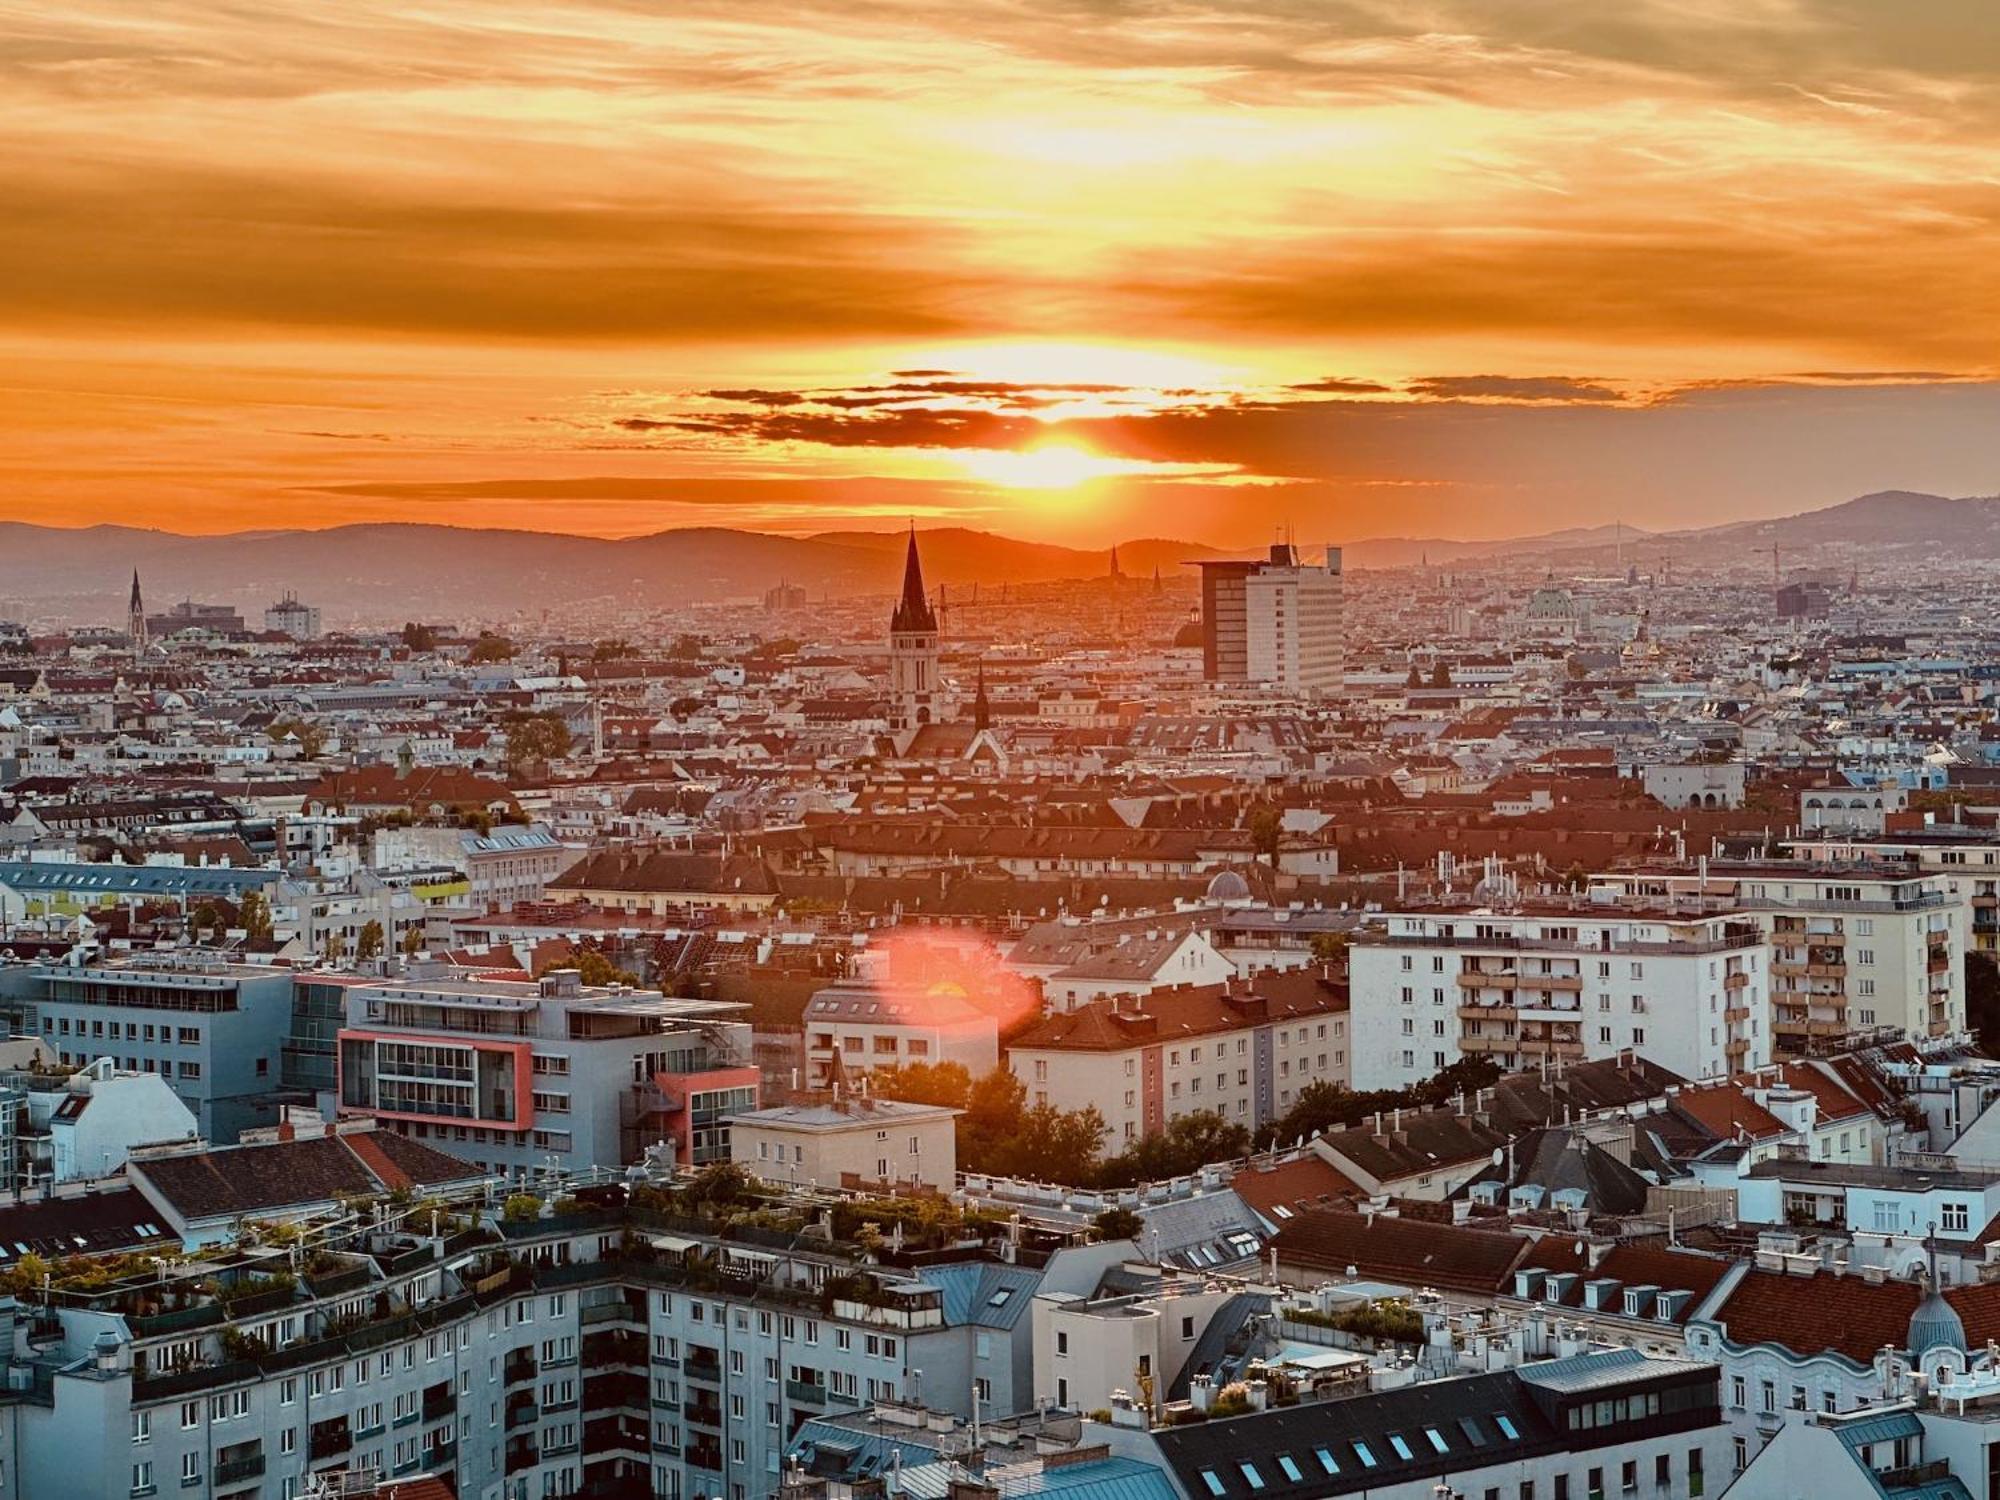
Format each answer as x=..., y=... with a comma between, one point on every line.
x=1402, y=1448
x=1289, y=1466
x=1325, y=1457
x=1361, y=1452
x=1663, y=1470
x=142, y=1479
x=1953, y=1217
x=142, y=1428
x=1628, y=1476
x=1506, y=1425
x=1437, y=1439
x=1209, y=1478
x=190, y=1468
x=1250, y=1475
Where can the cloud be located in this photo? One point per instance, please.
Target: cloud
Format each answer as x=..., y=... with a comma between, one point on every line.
x=1342, y=386
x=1512, y=388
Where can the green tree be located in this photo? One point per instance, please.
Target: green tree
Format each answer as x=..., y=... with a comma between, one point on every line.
x=1441, y=675
x=413, y=942
x=254, y=913
x=611, y=650
x=1118, y=1224
x=1330, y=948
x=1416, y=677
x=205, y=920
x=535, y=739
x=591, y=966
x=419, y=637
x=1266, y=827
x=1982, y=1000
x=369, y=944
x=490, y=647
x=311, y=737
x=1189, y=1143
x=945, y=1083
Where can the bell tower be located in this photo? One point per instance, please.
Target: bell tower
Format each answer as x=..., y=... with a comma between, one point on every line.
x=913, y=651
x=135, y=618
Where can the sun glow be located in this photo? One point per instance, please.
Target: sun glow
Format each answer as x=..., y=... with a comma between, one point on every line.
x=1052, y=466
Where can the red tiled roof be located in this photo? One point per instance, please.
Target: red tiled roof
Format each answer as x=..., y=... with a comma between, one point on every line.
x=1835, y=1101
x=1408, y=1251
x=1177, y=1014
x=1631, y=1265
x=1298, y=1186
x=1724, y=1109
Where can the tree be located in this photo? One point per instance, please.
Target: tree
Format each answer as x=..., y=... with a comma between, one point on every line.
x=1416, y=677
x=490, y=647
x=254, y=912
x=1982, y=1000
x=684, y=708
x=419, y=637
x=591, y=966
x=943, y=1083
x=535, y=738
x=336, y=945
x=1330, y=948
x=204, y=920
x=610, y=650
x=1266, y=827
x=311, y=737
x=1118, y=1224
x=413, y=942
x=369, y=944
x=1189, y=1143
x=1441, y=675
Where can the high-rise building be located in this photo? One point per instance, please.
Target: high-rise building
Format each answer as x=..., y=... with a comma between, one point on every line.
x=289, y=617
x=1273, y=624
x=913, y=651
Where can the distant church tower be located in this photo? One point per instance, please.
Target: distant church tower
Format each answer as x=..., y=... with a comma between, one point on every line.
x=135, y=619
x=913, y=651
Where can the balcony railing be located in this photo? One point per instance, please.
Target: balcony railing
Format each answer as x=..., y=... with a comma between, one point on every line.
x=238, y=1470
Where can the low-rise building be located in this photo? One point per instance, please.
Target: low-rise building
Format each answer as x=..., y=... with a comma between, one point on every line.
x=849, y=1141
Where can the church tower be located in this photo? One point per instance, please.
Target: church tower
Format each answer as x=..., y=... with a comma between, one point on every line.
x=135, y=618
x=913, y=651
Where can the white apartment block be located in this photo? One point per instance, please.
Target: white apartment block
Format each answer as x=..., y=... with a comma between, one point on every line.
x=1969, y=867
x=1549, y=983
x=1855, y=947
x=1244, y=1052
x=1292, y=625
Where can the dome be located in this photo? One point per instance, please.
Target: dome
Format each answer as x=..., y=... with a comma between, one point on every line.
x=1551, y=604
x=1935, y=1324
x=1228, y=886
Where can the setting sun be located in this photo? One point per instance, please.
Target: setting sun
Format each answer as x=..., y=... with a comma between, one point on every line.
x=1056, y=466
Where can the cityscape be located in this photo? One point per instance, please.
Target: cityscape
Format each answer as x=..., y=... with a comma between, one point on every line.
x=1035, y=750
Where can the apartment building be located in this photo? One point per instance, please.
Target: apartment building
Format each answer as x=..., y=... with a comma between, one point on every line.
x=849, y=1141
x=1274, y=623
x=520, y=1076
x=1548, y=982
x=609, y=1352
x=1243, y=1050
x=1969, y=866
x=877, y=1020
x=1855, y=946
x=212, y=1028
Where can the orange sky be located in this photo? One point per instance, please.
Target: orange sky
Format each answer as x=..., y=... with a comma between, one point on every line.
x=1438, y=267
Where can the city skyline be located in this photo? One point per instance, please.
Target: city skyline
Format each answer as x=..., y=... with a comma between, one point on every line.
x=1069, y=272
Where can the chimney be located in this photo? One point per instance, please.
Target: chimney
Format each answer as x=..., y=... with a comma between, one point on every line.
x=286, y=1130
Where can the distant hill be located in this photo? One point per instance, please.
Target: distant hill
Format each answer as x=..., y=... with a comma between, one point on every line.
x=399, y=571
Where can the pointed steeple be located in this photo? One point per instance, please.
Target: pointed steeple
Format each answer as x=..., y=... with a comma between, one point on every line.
x=1116, y=571
x=982, y=710
x=913, y=611
x=137, y=603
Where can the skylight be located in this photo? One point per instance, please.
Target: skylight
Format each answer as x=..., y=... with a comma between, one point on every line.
x=1361, y=1452
x=1213, y=1482
x=1290, y=1467
x=1402, y=1448
x=1250, y=1475
x=1506, y=1425
x=1325, y=1457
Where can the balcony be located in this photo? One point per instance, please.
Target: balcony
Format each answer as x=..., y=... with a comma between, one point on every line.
x=520, y=1456
x=1473, y=1012
x=606, y=1349
x=704, y=1366
x=329, y=1439
x=239, y=1470
x=1736, y=1014
x=522, y=1414
x=703, y=1413
x=520, y=1366
x=805, y=1393
x=1483, y=979
x=1735, y=981
x=440, y=1402
x=610, y=1392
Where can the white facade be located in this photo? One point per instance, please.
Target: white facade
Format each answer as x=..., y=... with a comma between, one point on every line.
x=104, y=1113
x=1293, y=625
x=1854, y=947
x=1572, y=984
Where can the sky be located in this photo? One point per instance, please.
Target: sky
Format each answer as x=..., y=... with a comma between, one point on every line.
x=1078, y=270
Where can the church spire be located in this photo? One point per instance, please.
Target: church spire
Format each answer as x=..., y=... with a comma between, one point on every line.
x=982, y=710
x=135, y=618
x=913, y=611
